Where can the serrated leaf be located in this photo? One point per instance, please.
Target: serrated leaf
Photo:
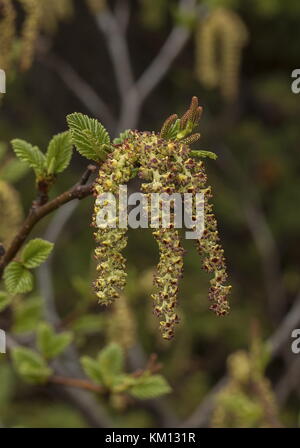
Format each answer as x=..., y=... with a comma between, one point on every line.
x=30, y=365
x=30, y=154
x=111, y=361
x=92, y=369
x=89, y=136
x=51, y=344
x=36, y=252
x=150, y=386
x=17, y=278
x=59, y=153
x=5, y=300
x=26, y=315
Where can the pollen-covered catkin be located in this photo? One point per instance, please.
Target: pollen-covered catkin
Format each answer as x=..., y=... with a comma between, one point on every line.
x=164, y=163
x=112, y=239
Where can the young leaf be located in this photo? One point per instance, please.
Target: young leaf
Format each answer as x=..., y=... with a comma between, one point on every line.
x=26, y=315
x=111, y=361
x=17, y=278
x=36, y=252
x=51, y=344
x=204, y=154
x=30, y=154
x=59, y=153
x=150, y=387
x=5, y=300
x=30, y=365
x=89, y=136
x=92, y=369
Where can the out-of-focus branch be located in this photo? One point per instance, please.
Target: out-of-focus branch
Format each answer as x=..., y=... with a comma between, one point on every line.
x=44, y=272
x=168, y=53
x=261, y=233
x=78, y=86
x=37, y=212
x=118, y=49
x=133, y=93
x=122, y=13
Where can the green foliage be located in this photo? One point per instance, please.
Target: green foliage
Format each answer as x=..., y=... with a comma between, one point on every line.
x=46, y=166
x=89, y=136
x=17, y=278
x=111, y=362
x=35, y=253
x=108, y=370
x=92, y=369
x=51, y=344
x=31, y=155
x=5, y=300
x=59, y=153
x=30, y=365
x=149, y=386
x=107, y=367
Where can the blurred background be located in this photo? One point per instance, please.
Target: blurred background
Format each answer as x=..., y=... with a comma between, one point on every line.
x=131, y=64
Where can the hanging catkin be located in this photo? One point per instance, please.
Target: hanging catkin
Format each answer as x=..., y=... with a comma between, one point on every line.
x=219, y=42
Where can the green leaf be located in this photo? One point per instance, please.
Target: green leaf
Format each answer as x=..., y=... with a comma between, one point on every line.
x=51, y=344
x=31, y=155
x=27, y=315
x=17, y=278
x=30, y=365
x=209, y=154
x=150, y=386
x=173, y=131
x=111, y=361
x=92, y=369
x=36, y=252
x=89, y=136
x=5, y=300
x=59, y=153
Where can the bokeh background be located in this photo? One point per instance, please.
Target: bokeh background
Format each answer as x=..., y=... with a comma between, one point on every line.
x=131, y=64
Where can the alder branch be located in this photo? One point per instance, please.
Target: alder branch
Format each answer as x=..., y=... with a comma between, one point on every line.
x=37, y=212
x=77, y=383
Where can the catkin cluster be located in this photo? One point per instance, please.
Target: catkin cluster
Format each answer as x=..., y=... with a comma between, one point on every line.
x=165, y=165
x=39, y=15
x=219, y=42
